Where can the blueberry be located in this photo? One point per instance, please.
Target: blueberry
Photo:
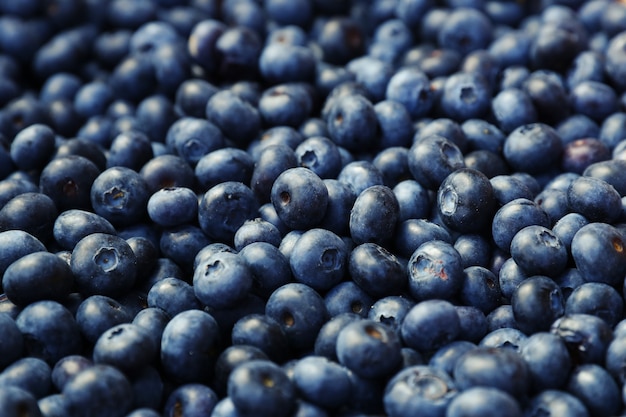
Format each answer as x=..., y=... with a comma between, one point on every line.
x=261, y=387
x=306, y=409
x=423, y=329
x=130, y=16
x=287, y=35
x=126, y=346
x=548, y=360
x=173, y=296
x=480, y=289
x=229, y=359
x=369, y=349
x=485, y=402
x=445, y=358
x=92, y=99
x=100, y=390
x=202, y=41
x=31, y=148
x=487, y=162
x=512, y=108
x=432, y=159
x=341, y=39
x=280, y=63
x=435, y=271
x=222, y=281
x=30, y=374
x=263, y=333
x=466, y=201
x=14, y=186
x=497, y=368
x=319, y=259
x=411, y=88
x=191, y=138
x=14, y=244
x=612, y=129
x=173, y=206
x=313, y=126
x=513, y=217
x=50, y=331
x=472, y=322
x=120, y=195
x=225, y=110
x=300, y=198
x=268, y=166
x=376, y=270
x=501, y=317
x=593, y=99
x=587, y=337
x=352, y=123
x=225, y=164
x=391, y=310
x=15, y=401
x=596, y=389
x=414, y=200
x=394, y=122
x=532, y=148
x=52, y=405
x=419, y=389
x=103, y=264
x=97, y=313
x=289, y=240
x=347, y=297
x=287, y=104
x=38, y=276
x=270, y=268
x=155, y=114
x=322, y=382
x=195, y=333
x=31, y=212
x=412, y=233
x=538, y=251
x=225, y=408
x=475, y=250
x=283, y=12
x=577, y=126
x=68, y=180
x=224, y=208
x=599, y=241
x=300, y=311
x=609, y=171
x=505, y=338
x=510, y=276
x=320, y=155
x=360, y=175
x=465, y=96
x=14, y=343
x=557, y=401
x=326, y=341
x=537, y=302
x=614, y=56
x=607, y=304
x=595, y=199
x=192, y=400
x=374, y=215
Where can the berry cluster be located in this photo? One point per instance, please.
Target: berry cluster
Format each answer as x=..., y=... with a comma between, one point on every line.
x=312, y=208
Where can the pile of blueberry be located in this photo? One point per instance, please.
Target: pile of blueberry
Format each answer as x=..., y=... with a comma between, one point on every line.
x=310, y=208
